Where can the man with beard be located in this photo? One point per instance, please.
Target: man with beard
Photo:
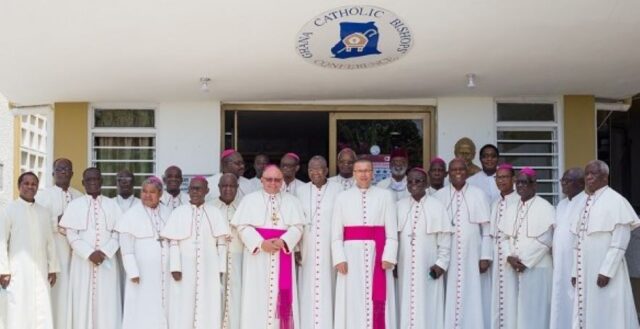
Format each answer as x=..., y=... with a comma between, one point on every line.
x=173, y=198
x=290, y=164
x=397, y=183
x=346, y=158
x=231, y=162
x=602, y=228
x=562, y=292
x=56, y=199
x=437, y=173
x=425, y=249
x=125, y=198
x=317, y=277
x=94, y=276
x=259, y=163
x=470, y=251
x=530, y=234
x=486, y=178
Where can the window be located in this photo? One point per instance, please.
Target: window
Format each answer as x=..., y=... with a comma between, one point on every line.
x=527, y=136
x=123, y=139
x=33, y=148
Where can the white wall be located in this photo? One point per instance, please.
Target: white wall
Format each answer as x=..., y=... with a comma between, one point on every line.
x=458, y=117
x=6, y=152
x=188, y=136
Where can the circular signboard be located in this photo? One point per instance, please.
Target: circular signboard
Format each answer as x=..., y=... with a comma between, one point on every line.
x=354, y=37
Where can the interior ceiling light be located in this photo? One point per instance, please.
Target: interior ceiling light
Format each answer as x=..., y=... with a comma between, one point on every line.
x=471, y=80
x=204, y=84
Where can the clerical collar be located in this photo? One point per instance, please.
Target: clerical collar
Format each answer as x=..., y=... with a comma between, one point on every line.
x=505, y=196
x=31, y=203
x=598, y=191
x=528, y=201
x=268, y=195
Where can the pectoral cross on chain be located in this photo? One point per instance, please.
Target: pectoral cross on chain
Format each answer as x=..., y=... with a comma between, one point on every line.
x=412, y=236
x=160, y=241
x=274, y=218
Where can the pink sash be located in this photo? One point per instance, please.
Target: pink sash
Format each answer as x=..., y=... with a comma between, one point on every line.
x=285, y=301
x=379, y=295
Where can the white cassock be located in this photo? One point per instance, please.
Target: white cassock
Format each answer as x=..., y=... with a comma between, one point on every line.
x=198, y=250
x=504, y=278
x=602, y=225
x=398, y=189
x=291, y=187
x=530, y=234
x=126, y=204
x=487, y=184
x=354, y=291
x=28, y=254
x=471, y=242
x=95, y=289
x=244, y=187
x=346, y=183
x=562, y=252
x=171, y=202
x=232, y=280
x=145, y=256
x=425, y=240
x=316, y=283
x=431, y=191
x=260, y=270
x=56, y=201
x=255, y=183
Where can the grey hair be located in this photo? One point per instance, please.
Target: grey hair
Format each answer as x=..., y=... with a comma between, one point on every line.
x=347, y=150
x=153, y=180
x=319, y=158
x=602, y=166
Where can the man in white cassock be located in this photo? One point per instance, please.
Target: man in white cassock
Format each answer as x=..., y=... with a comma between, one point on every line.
x=602, y=225
x=530, y=234
x=424, y=252
x=290, y=164
x=471, y=252
x=56, y=199
x=397, y=182
x=232, y=280
x=317, y=275
x=346, y=158
x=197, y=257
x=124, y=184
x=145, y=258
x=364, y=249
x=231, y=161
x=504, y=282
x=28, y=260
x=173, y=197
x=259, y=163
x=485, y=180
x=94, y=276
x=562, y=251
x=270, y=224
x=437, y=174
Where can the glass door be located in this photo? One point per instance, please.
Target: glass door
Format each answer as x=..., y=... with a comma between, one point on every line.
x=376, y=135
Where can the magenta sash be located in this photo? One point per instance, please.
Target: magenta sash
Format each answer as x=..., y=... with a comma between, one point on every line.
x=379, y=294
x=285, y=301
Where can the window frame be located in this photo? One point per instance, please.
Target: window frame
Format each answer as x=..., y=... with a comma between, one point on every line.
x=144, y=132
x=556, y=126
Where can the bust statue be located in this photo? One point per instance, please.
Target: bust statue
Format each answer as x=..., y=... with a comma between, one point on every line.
x=466, y=149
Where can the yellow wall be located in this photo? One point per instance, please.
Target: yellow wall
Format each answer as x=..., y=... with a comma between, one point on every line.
x=70, y=131
x=16, y=153
x=579, y=130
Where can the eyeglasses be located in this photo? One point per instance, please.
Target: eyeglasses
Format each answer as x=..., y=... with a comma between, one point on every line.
x=363, y=171
x=272, y=179
x=124, y=179
x=62, y=169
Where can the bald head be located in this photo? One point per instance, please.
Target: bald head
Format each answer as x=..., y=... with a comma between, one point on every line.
x=272, y=179
x=228, y=186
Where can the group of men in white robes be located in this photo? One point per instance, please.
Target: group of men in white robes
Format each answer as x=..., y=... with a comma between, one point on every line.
x=286, y=254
